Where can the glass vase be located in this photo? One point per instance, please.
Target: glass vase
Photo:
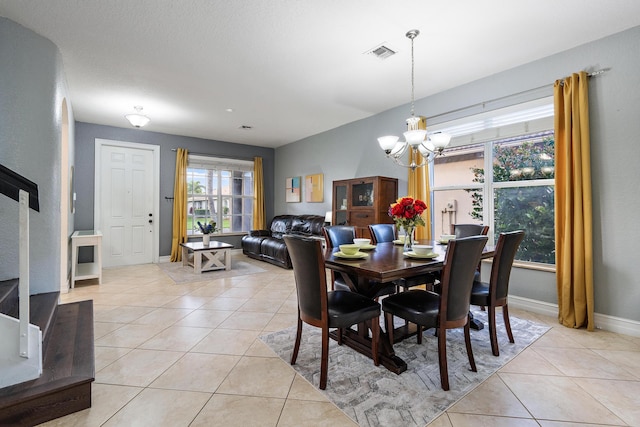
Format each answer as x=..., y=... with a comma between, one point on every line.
x=408, y=238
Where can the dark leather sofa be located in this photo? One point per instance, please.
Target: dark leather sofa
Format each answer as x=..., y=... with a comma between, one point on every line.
x=268, y=245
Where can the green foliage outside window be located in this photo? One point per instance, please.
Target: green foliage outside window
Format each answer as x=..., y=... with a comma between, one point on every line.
x=530, y=208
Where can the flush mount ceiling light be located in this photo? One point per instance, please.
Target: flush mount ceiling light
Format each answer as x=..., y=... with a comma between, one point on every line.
x=416, y=137
x=137, y=119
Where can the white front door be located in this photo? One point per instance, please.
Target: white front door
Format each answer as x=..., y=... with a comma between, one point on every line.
x=125, y=208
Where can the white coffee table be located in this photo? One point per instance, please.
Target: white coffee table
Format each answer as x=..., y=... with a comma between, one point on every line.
x=215, y=256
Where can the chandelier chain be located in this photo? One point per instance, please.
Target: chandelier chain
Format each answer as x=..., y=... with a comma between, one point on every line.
x=412, y=79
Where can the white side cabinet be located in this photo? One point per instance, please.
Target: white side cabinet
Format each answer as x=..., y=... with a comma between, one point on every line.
x=86, y=270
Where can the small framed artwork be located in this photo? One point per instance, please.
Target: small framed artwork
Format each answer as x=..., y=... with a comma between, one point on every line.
x=313, y=188
x=292, y=190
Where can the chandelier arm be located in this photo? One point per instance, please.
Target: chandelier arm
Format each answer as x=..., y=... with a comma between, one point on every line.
x=413, y=165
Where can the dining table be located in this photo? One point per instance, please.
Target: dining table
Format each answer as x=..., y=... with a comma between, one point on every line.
x=383, y=264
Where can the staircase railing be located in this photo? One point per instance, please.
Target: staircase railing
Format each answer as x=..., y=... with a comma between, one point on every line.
x=25, y=192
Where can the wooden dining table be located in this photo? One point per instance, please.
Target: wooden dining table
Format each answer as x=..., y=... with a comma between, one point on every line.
x=383, y=264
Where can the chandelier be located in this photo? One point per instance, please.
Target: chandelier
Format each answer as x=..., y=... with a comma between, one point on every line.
x=416, y=138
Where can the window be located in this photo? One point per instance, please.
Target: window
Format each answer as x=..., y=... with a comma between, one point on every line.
x=499, y=170
x=220, y=190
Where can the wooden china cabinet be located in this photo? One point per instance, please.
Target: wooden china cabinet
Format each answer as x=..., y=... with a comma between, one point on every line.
x=363, y=201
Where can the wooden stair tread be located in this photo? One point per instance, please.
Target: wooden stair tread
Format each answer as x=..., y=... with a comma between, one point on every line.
x=42, y=311
x=68, y=370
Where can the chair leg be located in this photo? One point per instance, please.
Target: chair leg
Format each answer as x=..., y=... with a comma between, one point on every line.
x=296, y=346
x=507, y=324
x=388, y=325
x=493, y=336
x=442, y=358
x=420, y=332
x=467, y=341
x=375, y=338
x=324, y=360
x=340, y=331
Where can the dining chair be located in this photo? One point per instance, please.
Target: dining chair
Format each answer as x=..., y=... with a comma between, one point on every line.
x=326, y=309
x=466, y=230
x=334, y=236
x=450, y=309
x=381, y=233
x=495, y=293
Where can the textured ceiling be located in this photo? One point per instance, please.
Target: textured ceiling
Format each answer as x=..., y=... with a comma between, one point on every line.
x=292, y=68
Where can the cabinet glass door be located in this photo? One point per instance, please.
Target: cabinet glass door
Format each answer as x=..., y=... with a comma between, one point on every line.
x=362, y=194
x=340, y=205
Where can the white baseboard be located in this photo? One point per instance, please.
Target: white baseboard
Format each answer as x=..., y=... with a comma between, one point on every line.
x=603, y=321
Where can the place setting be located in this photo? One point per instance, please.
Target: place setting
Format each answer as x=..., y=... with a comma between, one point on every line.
x=364, y=244
x=421, y=252
x=350, y=251
x=444, y=238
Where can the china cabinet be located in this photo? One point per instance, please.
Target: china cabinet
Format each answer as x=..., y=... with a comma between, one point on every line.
x=363, y=201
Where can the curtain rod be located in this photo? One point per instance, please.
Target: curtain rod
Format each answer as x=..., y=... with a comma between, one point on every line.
x=215, y=155
x=513, y=95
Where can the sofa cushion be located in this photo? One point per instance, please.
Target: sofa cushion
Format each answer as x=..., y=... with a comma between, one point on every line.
x=307, y=225
x=281, y=225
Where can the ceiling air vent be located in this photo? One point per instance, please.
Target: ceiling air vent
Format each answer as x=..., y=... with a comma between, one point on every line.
x=381, y=52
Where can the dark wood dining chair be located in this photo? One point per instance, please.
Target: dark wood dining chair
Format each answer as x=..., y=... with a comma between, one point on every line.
x=381, y=233
x=326, y=309
x=448, y=310
x=466, y=230
x=495, y=293
x=334, y=236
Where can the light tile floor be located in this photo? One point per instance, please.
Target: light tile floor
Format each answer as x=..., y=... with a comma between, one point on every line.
x=188, y=354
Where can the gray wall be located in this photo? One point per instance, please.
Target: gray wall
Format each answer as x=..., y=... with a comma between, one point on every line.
x=352, y=150
x=86, y=135
x=32, y=88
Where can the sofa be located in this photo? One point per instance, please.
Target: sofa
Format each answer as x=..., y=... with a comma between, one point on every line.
x=268, y=245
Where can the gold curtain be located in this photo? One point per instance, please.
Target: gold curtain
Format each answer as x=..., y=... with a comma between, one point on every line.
x=179, y=205
x=418, y=187
x=259, y=214
x=573, y=210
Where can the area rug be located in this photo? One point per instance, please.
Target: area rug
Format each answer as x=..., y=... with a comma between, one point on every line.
x=186, y=274
x=374, y=396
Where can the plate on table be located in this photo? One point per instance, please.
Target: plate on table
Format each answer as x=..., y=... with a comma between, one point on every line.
x=367, y=247
x=412, y=254
x=357, y=255
x=398, y=242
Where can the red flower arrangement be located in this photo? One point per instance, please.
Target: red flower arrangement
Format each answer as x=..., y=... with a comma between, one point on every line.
x=407, y=211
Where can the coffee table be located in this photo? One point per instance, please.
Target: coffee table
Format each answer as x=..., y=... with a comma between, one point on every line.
x=215, y=256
